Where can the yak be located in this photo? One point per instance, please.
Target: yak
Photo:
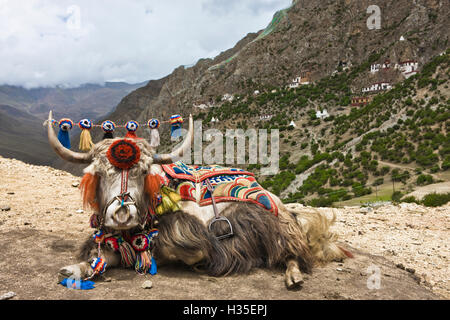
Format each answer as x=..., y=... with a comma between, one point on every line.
x=294, y=239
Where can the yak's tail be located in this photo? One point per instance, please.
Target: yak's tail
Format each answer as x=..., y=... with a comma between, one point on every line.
x=321, y=241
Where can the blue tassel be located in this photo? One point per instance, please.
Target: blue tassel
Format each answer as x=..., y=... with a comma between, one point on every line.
x=65, y=125
x=176, y=123
x=77, y=284
x=63, y=137
x=152, y=270
x=175, y=130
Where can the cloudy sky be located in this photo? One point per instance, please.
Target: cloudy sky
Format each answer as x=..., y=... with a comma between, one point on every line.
x=48, y=42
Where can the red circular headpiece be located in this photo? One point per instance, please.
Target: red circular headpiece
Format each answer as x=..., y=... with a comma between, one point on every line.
x=123, y=154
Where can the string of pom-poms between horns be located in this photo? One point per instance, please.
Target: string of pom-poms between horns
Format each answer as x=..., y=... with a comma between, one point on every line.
x=108, y=127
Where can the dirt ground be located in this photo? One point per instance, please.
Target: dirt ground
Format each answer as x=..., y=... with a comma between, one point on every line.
x=41, y=227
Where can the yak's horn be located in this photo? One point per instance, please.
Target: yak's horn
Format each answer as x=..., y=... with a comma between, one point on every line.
x=66, y=154
x=176, y=154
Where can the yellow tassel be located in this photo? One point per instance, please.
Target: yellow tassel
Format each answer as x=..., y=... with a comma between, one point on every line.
x=169, y=201
x=85, y=140
x=172, y=194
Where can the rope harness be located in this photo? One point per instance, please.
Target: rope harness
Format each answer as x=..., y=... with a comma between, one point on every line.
x=134, y=250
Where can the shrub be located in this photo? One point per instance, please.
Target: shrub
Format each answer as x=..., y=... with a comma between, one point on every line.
x=410, y=199
x=378, y=182
x=396, y=196
x=321, y=202
x=424, y=179
x=435, y=199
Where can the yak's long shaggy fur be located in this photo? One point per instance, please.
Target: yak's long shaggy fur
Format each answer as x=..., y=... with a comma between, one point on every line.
x=315, y=226
x=259, y=241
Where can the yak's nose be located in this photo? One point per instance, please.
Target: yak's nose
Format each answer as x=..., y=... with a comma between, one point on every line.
x=121, y=215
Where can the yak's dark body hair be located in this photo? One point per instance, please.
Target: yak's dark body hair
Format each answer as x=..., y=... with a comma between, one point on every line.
x=258, y=241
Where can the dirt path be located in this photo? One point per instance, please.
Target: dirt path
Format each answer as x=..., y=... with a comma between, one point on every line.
x=300, y=178
x=420, y=192
x=42, y=229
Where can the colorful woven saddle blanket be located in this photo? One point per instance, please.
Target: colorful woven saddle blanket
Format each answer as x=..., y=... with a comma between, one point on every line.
x=229, y=184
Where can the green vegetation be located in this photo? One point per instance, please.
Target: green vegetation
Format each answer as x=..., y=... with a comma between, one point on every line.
x=430, y=200
x=404, y=138
x=435, y=199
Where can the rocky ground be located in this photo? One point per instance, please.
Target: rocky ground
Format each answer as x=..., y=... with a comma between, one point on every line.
x=414, y=237
x=42, y=224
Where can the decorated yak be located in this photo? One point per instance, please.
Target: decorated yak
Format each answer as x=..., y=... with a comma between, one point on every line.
x=150, y=209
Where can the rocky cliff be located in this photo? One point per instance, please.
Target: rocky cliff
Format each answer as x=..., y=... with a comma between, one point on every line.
x=316, y=37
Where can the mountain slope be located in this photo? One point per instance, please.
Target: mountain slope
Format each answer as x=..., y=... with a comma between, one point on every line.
x=87, y=101
x=22, y=112
x=310, y=36
x=23, y=137
x=355, y=151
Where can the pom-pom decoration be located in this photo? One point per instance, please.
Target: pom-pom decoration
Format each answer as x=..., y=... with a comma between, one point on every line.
x=98, y=265
x=123, y=154
x=140, y=242
x=131, y=127
x=108, y=128
x=152, y=234
x=93, y=221
x=85, y=124
x=153, y=124
x=98, y=237
x=65, y=125
x=113, y=243
x=85, y=138
x=176, y=122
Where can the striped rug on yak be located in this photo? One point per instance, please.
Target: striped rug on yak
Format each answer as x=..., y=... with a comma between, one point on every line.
x=230, y=184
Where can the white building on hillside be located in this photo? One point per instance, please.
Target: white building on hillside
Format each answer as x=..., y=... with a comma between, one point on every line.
x=201, y=106
x=227, y=97
x=265, y=117
x=322, y=115
x=408, y=68
x=300, y=80
x=379, y=86
x=374, y=68
x=292, y=124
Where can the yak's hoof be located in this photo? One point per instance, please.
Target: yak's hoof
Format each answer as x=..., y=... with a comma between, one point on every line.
x=75, y=271
x=294, y=278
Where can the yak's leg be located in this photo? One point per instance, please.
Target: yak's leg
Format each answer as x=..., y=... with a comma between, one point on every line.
x=293, y=276
x=173, y=253
x=181, y=237
x=83, y=269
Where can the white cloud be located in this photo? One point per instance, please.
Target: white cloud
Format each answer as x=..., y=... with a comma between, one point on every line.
x=48, y=43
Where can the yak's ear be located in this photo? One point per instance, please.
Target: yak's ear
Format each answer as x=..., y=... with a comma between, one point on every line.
x=88, y=187
x=152, y=185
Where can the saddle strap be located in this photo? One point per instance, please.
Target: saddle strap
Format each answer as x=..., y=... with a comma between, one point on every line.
x=216, y=214
x=211, y=190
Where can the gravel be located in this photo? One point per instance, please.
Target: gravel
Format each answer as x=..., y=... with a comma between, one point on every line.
x=48, y=197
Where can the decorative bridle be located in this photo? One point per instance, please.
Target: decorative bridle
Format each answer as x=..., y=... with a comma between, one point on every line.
x=134, y=249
